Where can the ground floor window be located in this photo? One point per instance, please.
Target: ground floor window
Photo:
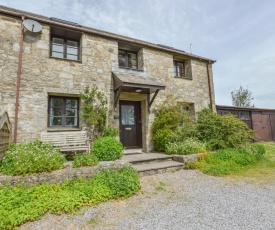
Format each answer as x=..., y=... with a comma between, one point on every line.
x=63, y=112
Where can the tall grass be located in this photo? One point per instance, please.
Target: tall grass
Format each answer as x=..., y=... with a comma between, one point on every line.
x=231, y=160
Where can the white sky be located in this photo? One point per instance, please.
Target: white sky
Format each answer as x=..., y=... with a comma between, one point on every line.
x=240, y=35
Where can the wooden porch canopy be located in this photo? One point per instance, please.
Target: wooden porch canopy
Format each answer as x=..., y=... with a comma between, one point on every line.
x=135, y=83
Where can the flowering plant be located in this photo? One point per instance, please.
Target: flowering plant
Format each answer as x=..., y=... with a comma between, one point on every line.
x=34, y=157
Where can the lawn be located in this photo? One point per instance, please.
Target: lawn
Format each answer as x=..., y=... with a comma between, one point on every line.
x=240, y=162
x=263, y=170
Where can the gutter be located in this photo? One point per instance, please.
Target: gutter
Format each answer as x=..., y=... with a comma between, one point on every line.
x=42, y=19
x=19, y=72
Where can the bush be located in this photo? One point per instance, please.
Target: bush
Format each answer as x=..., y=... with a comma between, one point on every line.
x=107, y=148
x=188, y=146
x=110, y=132
x=20, y=204
x=162, y=137
x=34, y=157
x=221, y=132
x=225, y=161
x=169, y=118
x=85, y=160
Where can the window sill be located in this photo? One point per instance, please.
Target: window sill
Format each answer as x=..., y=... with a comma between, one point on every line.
x=65, y=59
x=138, y=70
x=186, y=78
x=59, y=129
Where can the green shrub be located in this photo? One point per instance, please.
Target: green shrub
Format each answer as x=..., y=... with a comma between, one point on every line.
x=187, y=146
x=222, y=131
x=162, y=137
x=169, y=117
x=20, y=204
x=34, y=157
x=85, y=160
x=107, y=148
x=110, y=132
x=225, y=161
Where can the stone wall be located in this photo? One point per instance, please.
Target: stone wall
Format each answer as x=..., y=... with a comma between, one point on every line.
x=62, y=175
x=43, y=75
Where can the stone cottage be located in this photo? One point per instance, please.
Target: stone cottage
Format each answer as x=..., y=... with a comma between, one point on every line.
x=43, y=70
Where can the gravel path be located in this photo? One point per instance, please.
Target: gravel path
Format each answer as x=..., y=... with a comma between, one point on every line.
x=179, y=200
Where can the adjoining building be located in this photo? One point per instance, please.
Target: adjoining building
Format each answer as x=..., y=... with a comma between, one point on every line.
x=262, y=121
x=43, y=72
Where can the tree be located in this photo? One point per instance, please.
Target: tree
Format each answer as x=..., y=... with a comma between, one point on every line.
x=242, y=97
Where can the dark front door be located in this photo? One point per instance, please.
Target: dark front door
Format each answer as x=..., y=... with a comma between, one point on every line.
x=130, y=123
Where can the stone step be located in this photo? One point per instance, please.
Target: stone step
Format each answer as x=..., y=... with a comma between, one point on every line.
x=146, y=157
x=156, y=167
x=132, y=151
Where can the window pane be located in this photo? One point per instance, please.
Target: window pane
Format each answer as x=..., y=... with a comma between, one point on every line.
x=121, y=58
x=72, y=57
x=58, y=41
x=72, y=43
x=175, y=69
x=72, y=50
x=58, y=48
x=55, y=121
x=132, y=60
x=59, y=55
x=71, y=103
x=71, y=121
x=180, y=67
x=56, y=112
x=56, y=102
x=71, y=112
x=127, y=115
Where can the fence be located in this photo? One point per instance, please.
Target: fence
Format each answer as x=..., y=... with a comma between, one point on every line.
x=5, y=133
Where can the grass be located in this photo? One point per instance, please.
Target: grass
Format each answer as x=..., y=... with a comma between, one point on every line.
x=244, y=162
x=263, y=170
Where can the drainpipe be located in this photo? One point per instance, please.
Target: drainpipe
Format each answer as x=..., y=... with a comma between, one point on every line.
x=19, y=72
x=209, y=86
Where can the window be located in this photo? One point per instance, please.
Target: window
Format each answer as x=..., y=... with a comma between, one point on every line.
x=127, y=59
x=63, y=112
x=179, y=70
x=65, y=48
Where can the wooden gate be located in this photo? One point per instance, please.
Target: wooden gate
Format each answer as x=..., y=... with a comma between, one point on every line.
x=5, y=134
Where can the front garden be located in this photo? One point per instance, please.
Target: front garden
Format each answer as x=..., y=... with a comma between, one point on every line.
x=224, y=143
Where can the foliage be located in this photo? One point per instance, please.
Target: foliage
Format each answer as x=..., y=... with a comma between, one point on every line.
x=94, y=111
x=34, y=157
x=23, y=203
x=109, y=132
x=169, y=118
x=187, y=146
x=242, y=97
x=107, y=148
x=85, y=160
x=222, y=131
x=162, y=137
x=230, y=160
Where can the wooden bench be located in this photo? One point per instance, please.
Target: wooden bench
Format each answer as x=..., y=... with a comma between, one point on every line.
x=67, y=141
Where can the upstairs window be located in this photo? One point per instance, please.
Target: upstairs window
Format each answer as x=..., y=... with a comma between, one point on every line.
x=65, y=44
x=65, y=48
x=127, y=59
x=179, y=69
x=63, y=112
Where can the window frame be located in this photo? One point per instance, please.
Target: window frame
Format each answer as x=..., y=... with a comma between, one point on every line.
x=65, y=44
x=63, y=126
x=175, y=67
x=127, y=59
